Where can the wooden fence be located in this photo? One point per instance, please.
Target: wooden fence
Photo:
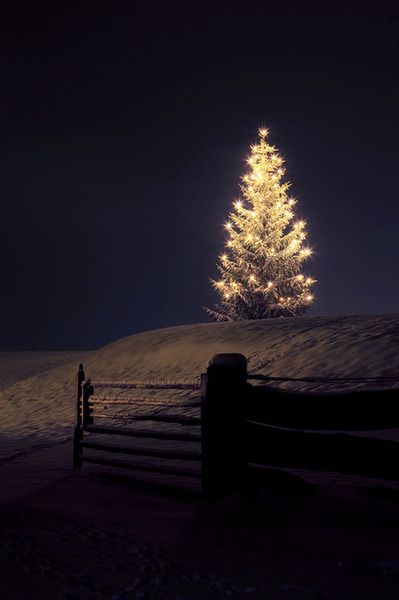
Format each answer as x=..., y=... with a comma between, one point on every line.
x=242, y=426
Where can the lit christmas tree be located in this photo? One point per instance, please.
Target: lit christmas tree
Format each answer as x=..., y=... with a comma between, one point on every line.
x=261, y=268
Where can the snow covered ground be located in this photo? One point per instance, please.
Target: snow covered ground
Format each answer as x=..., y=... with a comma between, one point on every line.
x=15, y=366
x=266, y=545
x=40, y=407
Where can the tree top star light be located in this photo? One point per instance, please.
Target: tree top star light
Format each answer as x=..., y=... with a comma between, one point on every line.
x=261, y=267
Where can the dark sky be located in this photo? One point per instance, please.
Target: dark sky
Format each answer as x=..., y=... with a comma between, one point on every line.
x=124, y=129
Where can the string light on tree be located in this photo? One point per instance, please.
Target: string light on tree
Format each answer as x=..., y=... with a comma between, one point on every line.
x=261, y=267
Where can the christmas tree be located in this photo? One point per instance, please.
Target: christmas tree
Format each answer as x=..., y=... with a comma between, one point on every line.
x=261, y=269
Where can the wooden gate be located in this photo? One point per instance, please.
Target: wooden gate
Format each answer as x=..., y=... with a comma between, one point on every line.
x=130, y=419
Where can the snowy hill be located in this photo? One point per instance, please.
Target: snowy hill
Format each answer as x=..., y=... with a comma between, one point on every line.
x=41, y=407
x=52, y=515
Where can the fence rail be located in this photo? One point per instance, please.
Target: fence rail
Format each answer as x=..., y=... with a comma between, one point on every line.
x=261, y=377
x=348, y=411
x=143, y=433
x=315, y=451
x=148, y=385
x=139, y=451
x=156, y=418
x=109, y=400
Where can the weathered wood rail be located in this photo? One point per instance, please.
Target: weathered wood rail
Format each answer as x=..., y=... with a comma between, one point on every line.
x=241, y=426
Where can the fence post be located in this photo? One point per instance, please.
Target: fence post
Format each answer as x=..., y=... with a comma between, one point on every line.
x=224, y=462
x=77, y=433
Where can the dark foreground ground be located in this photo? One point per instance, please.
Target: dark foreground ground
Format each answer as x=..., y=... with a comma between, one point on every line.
x=94, y=534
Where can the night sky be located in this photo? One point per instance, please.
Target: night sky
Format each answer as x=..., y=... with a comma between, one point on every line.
x=124, y=131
